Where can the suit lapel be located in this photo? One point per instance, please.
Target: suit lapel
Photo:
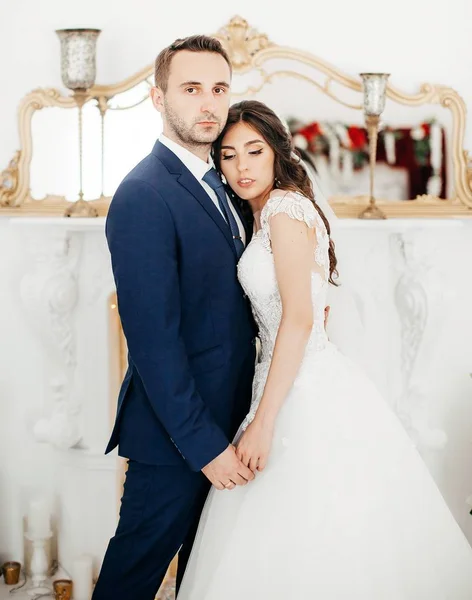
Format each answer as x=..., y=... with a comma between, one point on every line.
x=188, y=181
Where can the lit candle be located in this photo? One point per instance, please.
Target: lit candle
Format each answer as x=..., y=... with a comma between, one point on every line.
x=38, y=519
x=82, y=577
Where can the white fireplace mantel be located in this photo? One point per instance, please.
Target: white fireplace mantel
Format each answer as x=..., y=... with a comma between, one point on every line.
x=395, y=225
x=411, y=284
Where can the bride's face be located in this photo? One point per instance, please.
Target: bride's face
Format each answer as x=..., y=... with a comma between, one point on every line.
x=247, y=162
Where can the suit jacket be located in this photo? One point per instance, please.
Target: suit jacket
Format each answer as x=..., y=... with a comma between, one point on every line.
x=187, y=322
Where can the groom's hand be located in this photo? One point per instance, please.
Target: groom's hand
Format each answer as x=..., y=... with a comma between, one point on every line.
x=226, y=470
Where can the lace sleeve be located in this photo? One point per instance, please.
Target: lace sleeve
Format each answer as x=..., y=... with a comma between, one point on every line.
x=293, y=204
x=298, y=207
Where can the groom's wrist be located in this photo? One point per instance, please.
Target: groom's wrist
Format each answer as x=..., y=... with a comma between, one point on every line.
x=201, y=449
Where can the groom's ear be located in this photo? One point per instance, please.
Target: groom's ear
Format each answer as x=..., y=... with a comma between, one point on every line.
x=157, y=96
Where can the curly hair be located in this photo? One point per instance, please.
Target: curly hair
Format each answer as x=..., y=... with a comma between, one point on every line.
x=289, y=172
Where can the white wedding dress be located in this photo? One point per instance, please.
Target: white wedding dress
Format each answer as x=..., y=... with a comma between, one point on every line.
x=346, y=509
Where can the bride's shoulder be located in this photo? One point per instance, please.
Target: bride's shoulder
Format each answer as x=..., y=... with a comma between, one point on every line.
x=295, y=204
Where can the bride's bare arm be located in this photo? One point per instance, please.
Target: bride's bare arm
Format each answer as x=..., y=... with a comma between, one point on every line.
x=292, y=246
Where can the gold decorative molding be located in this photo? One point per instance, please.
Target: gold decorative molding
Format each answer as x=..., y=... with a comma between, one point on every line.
x=9, y=180
x=242, y=42
x=251, y=50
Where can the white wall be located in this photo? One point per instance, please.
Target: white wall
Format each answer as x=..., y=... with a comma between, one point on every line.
x=417, y=42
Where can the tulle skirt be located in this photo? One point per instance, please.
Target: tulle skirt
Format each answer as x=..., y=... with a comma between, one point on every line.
x=346, y=508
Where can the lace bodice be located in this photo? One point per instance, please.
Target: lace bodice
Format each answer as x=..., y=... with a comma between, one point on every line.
x=256, y=272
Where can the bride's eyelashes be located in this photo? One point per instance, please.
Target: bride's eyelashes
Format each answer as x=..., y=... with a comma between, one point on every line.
x=229, y=156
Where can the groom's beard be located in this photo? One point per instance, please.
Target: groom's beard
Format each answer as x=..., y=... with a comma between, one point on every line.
x=193, y=135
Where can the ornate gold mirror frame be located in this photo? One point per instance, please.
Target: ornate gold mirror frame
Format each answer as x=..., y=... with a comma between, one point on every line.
x=250, y=50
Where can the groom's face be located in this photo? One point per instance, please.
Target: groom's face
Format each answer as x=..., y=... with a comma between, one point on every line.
x=195, y=105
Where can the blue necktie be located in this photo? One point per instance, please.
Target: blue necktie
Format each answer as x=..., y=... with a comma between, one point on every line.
x=212, y=178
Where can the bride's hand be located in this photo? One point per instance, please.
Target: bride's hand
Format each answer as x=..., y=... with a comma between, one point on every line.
x=254, y=446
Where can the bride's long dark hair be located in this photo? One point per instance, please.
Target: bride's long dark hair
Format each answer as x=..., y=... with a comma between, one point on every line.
x=289, y=173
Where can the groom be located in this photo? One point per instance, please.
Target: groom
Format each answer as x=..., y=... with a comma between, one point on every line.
x=175, y=240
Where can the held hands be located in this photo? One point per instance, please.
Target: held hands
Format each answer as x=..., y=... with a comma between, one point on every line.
x=227, y=471
x=255, y=444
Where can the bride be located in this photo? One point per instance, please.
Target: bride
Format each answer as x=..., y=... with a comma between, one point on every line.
x=342, y=506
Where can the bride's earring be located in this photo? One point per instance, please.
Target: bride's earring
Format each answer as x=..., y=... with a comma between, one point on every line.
x=276, y=183
x=223, y=179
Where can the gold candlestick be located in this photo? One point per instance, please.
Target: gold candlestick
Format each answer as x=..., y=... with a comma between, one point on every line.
x=78, y=74
x=374, y=86
x=80, y=208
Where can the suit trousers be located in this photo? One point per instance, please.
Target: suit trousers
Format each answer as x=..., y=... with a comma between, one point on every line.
x=159, y=513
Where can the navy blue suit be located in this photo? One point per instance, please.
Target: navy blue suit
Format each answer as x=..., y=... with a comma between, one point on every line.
x=190, y=338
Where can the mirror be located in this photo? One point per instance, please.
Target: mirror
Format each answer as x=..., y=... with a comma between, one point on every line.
x=112, y=144
x=421, y=168
x=414, y=155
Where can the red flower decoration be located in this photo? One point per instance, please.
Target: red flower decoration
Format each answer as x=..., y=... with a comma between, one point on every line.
x=357, y=136
x=310, y=131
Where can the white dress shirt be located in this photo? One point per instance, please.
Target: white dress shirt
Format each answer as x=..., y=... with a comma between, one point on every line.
x=198, y=168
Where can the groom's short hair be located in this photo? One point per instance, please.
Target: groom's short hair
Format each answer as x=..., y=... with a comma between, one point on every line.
x=193, y=43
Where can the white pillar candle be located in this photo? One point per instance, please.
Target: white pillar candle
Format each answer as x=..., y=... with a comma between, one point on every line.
x=39, y=519
x=82, y=577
